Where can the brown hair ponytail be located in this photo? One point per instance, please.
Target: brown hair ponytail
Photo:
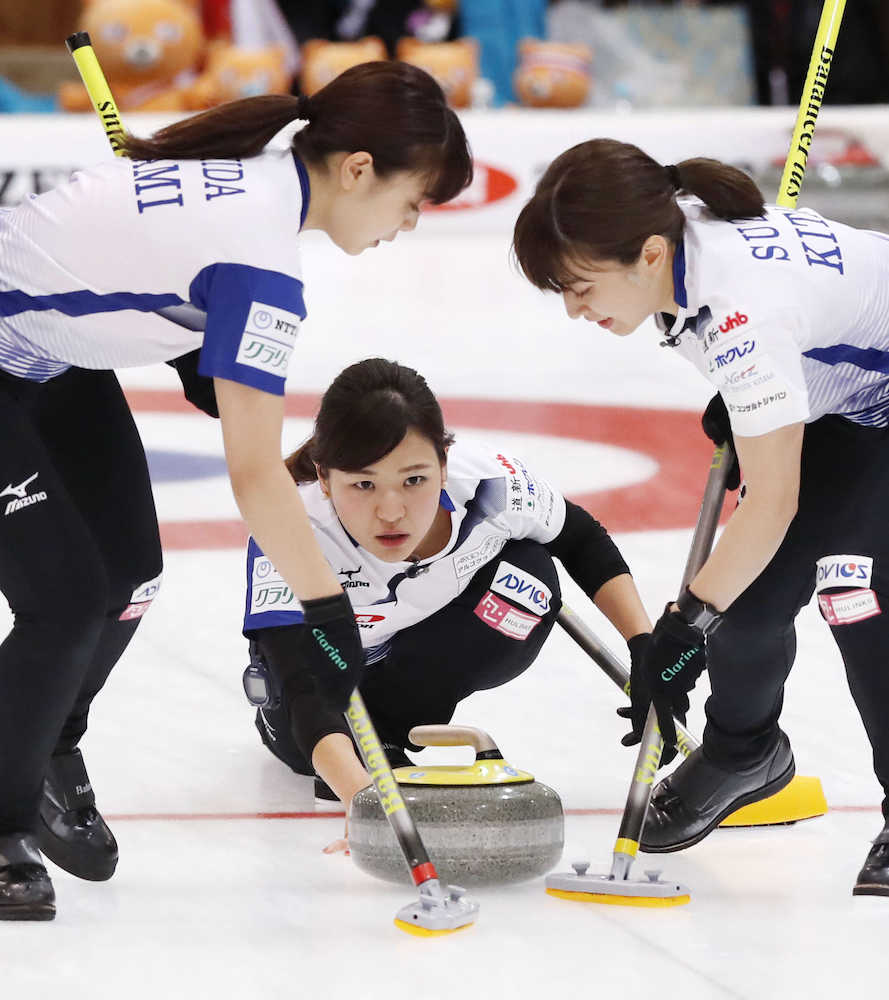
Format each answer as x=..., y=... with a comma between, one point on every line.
x=364, y=414
x=602, y=199
x=392, y=110
x=228, y=132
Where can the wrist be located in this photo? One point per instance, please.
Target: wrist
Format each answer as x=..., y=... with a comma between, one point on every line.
x=696, y=613
x=318, y=610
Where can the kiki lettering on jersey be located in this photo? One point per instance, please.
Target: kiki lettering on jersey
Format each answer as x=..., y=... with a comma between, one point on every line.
x=819, y=244
x=158, y=182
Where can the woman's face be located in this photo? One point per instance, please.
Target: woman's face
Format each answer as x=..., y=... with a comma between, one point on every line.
x=369, y=208
x=619, y=297
x=389, y=507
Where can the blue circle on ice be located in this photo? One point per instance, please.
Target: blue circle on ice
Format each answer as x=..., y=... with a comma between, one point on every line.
x=176, y=466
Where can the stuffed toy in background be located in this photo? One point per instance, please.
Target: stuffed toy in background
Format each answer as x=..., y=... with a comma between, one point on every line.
x=323, y=60
x=149, y=51
x=232, y=72
x=552, y=74
x=453, y=64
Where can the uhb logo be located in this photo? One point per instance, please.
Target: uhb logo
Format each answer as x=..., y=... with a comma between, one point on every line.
x=739, y=319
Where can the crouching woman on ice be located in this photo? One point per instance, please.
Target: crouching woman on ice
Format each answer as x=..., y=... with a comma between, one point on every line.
x=785, y=312
x=446, y=553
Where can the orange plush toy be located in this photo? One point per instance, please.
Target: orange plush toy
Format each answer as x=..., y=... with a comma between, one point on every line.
x=323, y=60
x=552, y=74
x=148, y=49
x=232, y=73
x=453, y=64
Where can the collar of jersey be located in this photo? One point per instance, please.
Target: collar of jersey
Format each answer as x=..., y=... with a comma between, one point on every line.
x=303, y=175
x=680, y=296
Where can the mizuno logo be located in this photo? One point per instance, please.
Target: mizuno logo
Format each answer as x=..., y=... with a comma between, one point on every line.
x=19, y=491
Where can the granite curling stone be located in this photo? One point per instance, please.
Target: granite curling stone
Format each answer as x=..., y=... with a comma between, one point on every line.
x=482, y=824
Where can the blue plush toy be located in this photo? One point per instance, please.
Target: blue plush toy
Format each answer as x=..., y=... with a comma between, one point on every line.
x=12, y=99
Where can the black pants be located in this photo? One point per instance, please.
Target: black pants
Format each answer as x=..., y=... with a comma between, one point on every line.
x=842, y=512
x=430, y=668
x=78, y=534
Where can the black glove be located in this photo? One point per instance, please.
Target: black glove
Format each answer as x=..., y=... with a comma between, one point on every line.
x=673, y=661
x=718, y=428
x=199, y=389
x=641, y=697
x=331, y=648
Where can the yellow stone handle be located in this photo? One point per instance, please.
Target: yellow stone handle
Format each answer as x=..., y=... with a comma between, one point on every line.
x=452, y=736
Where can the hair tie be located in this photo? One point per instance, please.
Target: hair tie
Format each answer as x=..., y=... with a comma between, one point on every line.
x=302, y=108
x=673, y=174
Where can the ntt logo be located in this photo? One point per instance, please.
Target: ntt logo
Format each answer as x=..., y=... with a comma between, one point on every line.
x=329, y=648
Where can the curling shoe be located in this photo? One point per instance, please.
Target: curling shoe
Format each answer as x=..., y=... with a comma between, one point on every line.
x=26, y=892
x=698, y=796
x=873, y=879
x=71, y=831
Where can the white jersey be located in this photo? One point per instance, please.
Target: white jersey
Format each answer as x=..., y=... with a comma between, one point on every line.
x=136, y=262
x=491, y=499
x=787, y=315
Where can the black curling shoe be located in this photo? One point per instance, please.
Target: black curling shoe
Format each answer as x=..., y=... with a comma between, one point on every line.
x=71, y=832
x=26, y=892
x=873, y=879
x=698, y=796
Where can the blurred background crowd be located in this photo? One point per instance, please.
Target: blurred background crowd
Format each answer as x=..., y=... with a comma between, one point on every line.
x=183, y=55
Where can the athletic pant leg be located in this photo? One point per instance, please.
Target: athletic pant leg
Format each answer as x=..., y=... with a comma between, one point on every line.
x=65, y=566
x=95, y=445
x=750, y=654
x=52, y=575
x=467, y=646
x=853, y=592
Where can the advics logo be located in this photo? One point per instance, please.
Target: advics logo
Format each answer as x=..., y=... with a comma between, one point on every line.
x=843, y=571
x=522, y=587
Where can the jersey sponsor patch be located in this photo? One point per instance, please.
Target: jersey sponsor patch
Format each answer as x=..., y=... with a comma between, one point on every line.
x=523, y=588
x=141, y=598
x=269, y=592
x=268, y=338
x=843, y=571
x=469, y=562
x=505, y=618
x=852, y=606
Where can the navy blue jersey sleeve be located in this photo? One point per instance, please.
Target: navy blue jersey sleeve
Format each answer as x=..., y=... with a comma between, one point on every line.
x=253, y=317
x=269, y=600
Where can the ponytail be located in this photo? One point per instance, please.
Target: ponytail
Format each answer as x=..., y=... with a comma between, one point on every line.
x=602, y=199
x=392, y=110
x=230, y=132
x=300, y=464
x=727, y=192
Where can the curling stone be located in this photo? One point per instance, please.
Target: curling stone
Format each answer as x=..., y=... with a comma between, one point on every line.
x=482, y=824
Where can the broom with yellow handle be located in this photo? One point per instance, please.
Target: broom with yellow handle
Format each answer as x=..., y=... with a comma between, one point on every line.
x=617, y=887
